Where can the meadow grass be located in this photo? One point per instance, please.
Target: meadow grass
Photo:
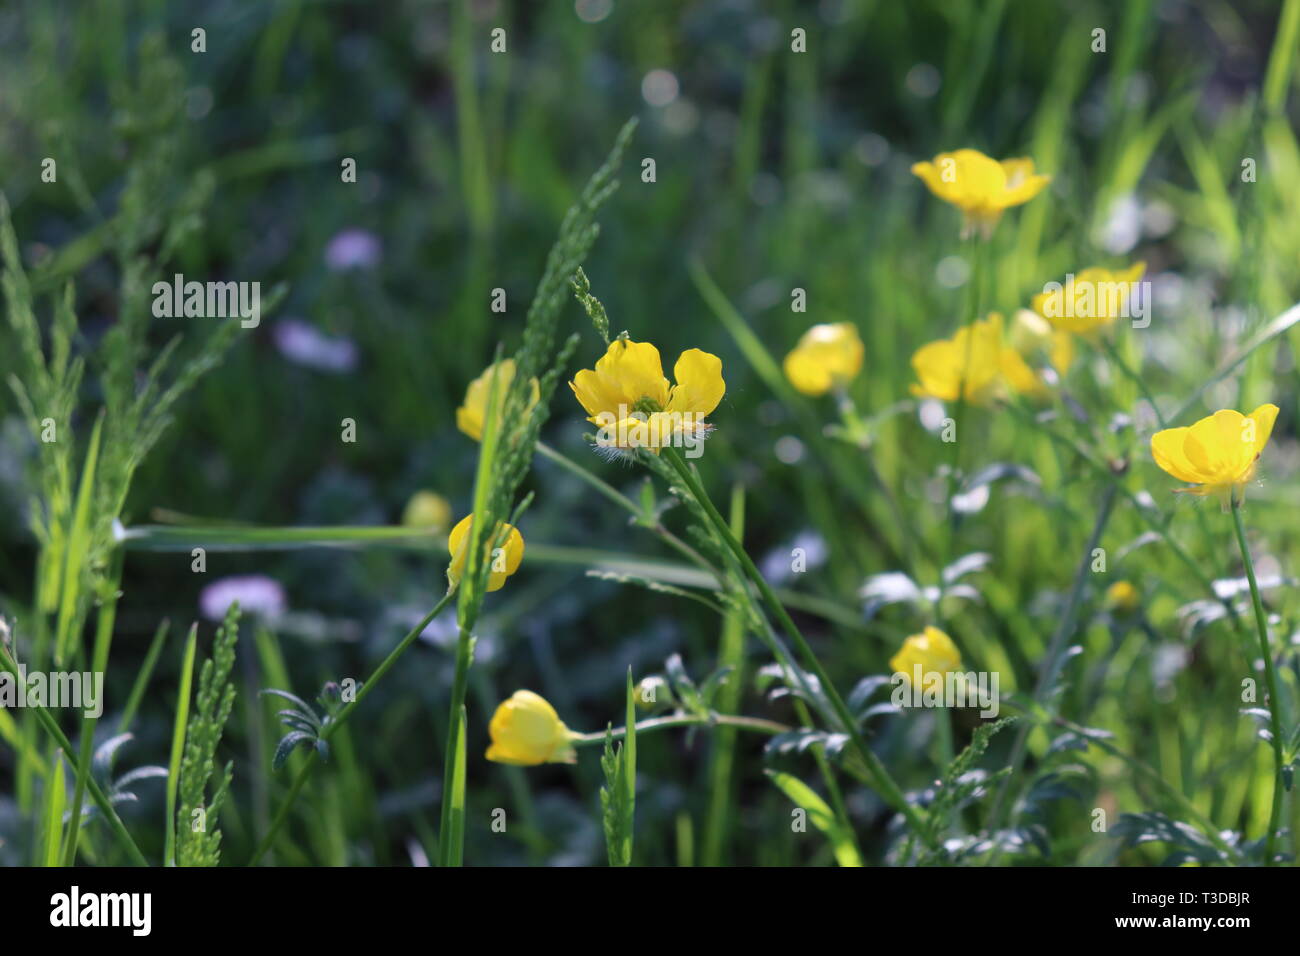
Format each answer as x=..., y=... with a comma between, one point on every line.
x=131, y=441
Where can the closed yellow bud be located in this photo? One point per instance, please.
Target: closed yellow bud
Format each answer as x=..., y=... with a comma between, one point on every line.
x=504, y=558
x=526, y=731
x=426, y=509
x=932, y=650
x=827, y=356
x=470, y=415
x=1122, y=597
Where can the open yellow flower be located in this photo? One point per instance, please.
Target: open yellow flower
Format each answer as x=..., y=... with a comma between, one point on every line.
x=504, y=559
x=827, y=356
x=1217, y=455
x=629, y=397
x=526, y=731
x=470, y=415
x=981, y=187
x=427, y=509
x=973, y=364
x=932, y=650
x=1090, y=300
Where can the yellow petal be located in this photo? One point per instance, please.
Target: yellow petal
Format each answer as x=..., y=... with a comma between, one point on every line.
x=806, y=373
x=700, y=386
x=634, y=370
x=1263, y=417
x=1215, y=447
x=1167, y=450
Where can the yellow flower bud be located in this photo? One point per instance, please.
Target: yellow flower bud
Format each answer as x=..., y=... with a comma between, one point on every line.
x=1122, y=597
x=526, y=731
x=470, y=415
x=933, y=650
x=427, y=509
x=826, y=357
x=505, y=558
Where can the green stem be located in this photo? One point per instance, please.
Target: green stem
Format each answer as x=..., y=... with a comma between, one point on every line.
x=623, y=501
x=96, y=792
x=103, y=641
x=449, y=853
x=1270, y=676
x=885, y=784
x=333, y=725
x=1053, y=659
x=756, y=724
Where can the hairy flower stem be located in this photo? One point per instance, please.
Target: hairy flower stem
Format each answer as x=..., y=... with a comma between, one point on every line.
x=332, y=726
x=755, y=724
x=1270, y=677
x=885, y=784
x=953, y=484
x=623, y=501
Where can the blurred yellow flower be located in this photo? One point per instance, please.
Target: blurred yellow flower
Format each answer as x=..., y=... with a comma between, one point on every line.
x=427, y=509
x=526, y=731
x=973, y=364
x=1217, y=455
x=932, y=650
x=1090, y=300
x=1031, y=333
x=629, y=397
x=470, y=415
x=981, y=187
x=827, y=356
x=1122, y=597
x=504, y=558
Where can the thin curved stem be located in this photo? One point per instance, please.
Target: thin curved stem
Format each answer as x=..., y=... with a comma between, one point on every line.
x=1270, y=677
x=755, y=724
x=623, y=501
x=46, y=720
x=333, y=725
x=884, y=783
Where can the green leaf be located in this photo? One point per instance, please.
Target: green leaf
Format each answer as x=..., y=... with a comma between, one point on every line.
x=618, y=796
x=807, y=799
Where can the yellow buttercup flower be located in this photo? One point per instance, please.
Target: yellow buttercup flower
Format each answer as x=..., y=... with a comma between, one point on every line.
x=827, y=356
x=981, y=187
x=1090, y=300
x=973, y=364
x=470, y=415
x=427, y=509
x=932, y=650
x=1122, y=597
x=1217, y=455
x=629, y=397
x=504, y=558
x=526, y=731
